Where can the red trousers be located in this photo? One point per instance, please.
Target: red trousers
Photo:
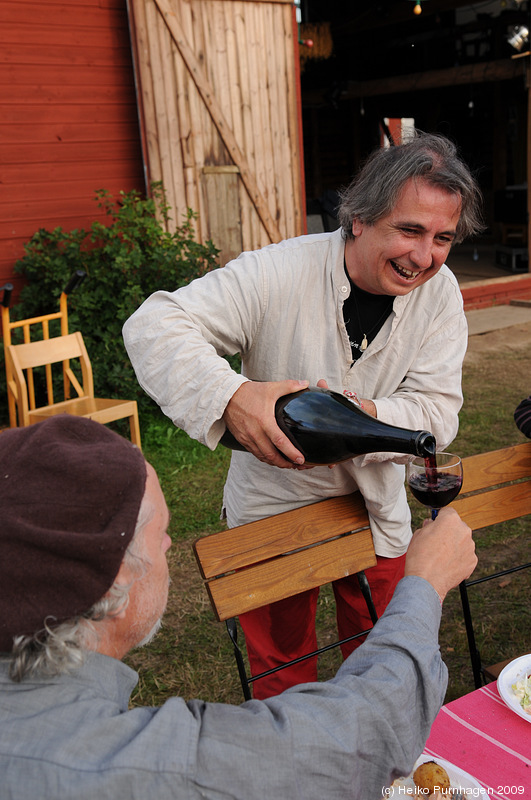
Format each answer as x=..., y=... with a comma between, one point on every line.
x=281, y=631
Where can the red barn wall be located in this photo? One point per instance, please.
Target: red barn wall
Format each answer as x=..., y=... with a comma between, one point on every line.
x=68, y=116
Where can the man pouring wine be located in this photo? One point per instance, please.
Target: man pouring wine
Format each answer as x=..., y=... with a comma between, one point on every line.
x=370, y=310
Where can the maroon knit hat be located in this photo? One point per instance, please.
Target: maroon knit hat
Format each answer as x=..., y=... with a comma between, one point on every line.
x=70, y=493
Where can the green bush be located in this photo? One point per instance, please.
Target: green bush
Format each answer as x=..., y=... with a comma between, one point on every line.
x=125, y=261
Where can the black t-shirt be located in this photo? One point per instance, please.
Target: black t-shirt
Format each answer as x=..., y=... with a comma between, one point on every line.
x=364, y=314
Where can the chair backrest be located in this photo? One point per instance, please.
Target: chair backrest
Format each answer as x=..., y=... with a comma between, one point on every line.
x=21, y=358
x=27, y=325
x=32, y=328
x=273, y=558
x=496, y=486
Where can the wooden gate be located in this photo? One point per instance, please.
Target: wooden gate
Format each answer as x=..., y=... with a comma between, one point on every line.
x=218, y=91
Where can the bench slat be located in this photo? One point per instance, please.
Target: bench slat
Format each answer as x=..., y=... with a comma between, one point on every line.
x=497, y=466
x=270, y=537
x=285, y=576
x=496, y=505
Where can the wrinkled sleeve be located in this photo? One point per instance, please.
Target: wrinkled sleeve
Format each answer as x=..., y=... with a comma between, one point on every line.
x=429, y=397
x=522, y=416
x=343, y=739
x=176, y=343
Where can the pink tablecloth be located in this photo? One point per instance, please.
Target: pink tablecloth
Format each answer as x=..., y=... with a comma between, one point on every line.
x=481, y=736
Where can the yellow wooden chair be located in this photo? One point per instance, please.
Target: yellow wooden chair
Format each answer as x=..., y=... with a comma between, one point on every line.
x=21, y=358
x=277, y=557
x=31, y=328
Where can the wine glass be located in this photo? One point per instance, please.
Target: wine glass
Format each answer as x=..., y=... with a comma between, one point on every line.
x=435, y=481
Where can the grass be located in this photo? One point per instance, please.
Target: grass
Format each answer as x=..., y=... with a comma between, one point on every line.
x=192, y=656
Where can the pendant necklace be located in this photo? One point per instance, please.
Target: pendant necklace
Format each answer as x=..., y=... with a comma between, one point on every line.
x=377, y=325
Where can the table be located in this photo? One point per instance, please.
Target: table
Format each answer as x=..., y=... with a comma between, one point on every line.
x=481, y=736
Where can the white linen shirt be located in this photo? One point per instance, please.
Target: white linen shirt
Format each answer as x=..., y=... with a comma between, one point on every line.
x=281, y=308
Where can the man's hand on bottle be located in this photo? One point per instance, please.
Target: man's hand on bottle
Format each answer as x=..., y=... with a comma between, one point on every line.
x=250, y=417
x=367, y=405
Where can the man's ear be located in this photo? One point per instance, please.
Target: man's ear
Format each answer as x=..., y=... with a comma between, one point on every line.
x=120, y=614
x=357, y=226
x=123, y=578
x=125, y=575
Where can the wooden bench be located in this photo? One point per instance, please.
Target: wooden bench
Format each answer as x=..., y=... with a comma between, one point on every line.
x=277, y=557
x=496, y=488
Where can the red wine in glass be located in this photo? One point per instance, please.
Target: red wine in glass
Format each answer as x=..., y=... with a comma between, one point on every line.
x=436, y=480
x=438, y=493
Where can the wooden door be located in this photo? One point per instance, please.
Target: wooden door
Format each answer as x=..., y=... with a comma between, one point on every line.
x=219, y=102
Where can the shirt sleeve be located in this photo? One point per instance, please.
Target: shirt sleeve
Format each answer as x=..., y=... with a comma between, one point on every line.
x=176, y=343
x=429, y=395
x=522, y=416
x=345, y=738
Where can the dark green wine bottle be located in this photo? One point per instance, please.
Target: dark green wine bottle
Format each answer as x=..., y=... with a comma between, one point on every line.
x=327, y=428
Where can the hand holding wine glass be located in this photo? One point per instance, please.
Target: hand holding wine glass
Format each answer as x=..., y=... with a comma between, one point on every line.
x=442, y=552
x=435, y=481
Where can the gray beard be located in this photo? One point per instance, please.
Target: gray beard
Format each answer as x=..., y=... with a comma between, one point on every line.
x=151, y=635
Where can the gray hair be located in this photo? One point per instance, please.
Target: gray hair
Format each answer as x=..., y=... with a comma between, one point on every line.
x=426, y=156
x=57, y=649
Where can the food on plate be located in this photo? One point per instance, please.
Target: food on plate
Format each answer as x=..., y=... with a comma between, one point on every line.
x=522, y=690
x=430, y=777
x=430, y=781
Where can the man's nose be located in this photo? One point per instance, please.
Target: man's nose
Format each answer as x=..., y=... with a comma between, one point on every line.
x=422, y=254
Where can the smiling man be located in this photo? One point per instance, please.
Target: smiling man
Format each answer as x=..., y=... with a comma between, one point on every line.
x=371, y=309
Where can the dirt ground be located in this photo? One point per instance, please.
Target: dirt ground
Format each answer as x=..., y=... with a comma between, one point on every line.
x=516, y=337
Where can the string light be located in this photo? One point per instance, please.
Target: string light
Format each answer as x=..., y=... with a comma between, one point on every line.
x=417, y=8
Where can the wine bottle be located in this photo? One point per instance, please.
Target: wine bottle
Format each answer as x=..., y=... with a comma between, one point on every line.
x=327, y=428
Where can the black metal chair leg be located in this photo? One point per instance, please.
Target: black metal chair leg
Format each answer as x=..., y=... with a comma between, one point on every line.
x=366, y=591
x=475, y=657
x=232, y=628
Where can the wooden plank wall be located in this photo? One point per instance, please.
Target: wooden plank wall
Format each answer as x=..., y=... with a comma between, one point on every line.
x=218, y=93
x=68, y=116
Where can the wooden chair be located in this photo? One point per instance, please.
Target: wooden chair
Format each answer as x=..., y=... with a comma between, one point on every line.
x=61, y=349
x=31, y=327
x=277, y=557
x=496, y=488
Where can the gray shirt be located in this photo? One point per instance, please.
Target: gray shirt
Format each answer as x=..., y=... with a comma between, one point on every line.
x=282, y=308
x=74, y=736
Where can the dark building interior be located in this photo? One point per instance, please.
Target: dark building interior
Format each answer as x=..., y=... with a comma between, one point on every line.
x=450, y=68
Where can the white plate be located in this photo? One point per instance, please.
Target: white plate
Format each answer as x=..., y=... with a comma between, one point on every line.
x=513, y=672
x=459, y=780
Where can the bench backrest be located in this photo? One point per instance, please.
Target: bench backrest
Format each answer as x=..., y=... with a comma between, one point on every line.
x=264, y=561
x=496, y=486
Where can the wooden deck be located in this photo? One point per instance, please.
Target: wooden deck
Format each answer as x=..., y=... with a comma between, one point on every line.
x=485, y=283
